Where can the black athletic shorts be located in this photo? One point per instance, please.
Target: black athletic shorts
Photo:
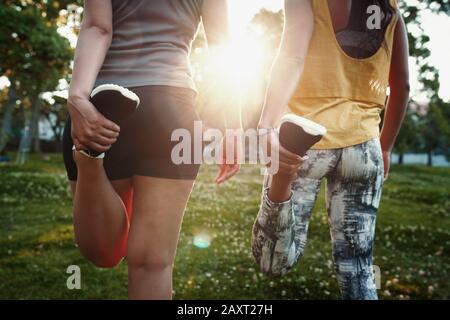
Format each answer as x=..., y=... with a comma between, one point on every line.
x=144, y=146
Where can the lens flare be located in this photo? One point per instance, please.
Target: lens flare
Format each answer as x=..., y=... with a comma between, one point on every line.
x=202, y=240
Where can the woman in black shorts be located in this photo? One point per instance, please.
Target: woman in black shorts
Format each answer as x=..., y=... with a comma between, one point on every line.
x=143, y=46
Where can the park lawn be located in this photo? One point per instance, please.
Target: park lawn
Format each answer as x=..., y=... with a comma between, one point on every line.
x=37, y=246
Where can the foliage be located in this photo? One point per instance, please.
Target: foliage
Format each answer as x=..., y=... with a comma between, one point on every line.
x=430, y=130
x=31, y=50
x=435, y=128
x=50, y=9
x=272, y=26
x=408, y=138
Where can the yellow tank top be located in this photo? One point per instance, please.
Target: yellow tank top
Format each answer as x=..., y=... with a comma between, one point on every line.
x=344, y=94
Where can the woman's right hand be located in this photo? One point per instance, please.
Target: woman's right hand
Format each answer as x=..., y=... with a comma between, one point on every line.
x=90, y=129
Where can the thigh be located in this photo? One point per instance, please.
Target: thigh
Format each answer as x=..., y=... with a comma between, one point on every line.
x=353, y=195
x=305, y=189
x=307, y=185
x=158, y=207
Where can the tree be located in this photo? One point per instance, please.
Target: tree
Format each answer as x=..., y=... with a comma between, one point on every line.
x=409, y=135
x=435, y=130
x=271, y=24
x=6, y=123
x=50, y=9
x=430, y=129
x=34, y=54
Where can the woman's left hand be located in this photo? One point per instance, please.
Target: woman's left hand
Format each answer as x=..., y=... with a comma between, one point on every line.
x=228, y=167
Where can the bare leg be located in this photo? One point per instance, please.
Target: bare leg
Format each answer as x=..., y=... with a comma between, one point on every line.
x=100, y=213
x=159, y=205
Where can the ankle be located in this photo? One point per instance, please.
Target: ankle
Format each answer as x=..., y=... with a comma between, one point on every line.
x=280, y=189
x=85, y=161
x=277, y=197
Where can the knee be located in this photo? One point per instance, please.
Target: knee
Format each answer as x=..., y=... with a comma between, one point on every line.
x=101, y=253
x=356, y=245
x=353, y=254
x=100, y=256
x=106, y=264
x=357, y=237
x=275, y=258
x=102, y=260
x=151, y=263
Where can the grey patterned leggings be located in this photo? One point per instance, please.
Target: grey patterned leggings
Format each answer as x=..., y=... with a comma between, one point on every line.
x=354, y=179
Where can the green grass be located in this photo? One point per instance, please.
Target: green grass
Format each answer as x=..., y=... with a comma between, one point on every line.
x=37, y=246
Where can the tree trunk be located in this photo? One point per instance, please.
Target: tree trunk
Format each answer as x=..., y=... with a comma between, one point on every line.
x=25, y=139
x=401, y=158
x=30, y=132
x=35, y=116
x=6, y=128
x=430, y=158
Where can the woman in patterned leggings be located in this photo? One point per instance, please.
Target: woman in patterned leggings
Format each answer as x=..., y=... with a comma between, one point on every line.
x=334, y=66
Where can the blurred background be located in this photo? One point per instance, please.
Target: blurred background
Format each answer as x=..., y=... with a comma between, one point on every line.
x=37, y=41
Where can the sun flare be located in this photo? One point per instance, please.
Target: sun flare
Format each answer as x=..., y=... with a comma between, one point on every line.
x=234, y=76
x=241, y=60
